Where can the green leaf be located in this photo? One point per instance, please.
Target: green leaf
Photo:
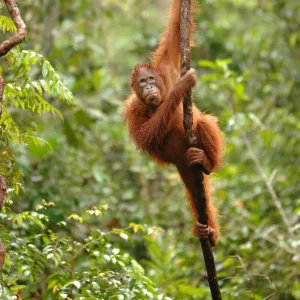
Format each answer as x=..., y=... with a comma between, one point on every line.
x=207, y=63
x=45, y=69
x=18, y=287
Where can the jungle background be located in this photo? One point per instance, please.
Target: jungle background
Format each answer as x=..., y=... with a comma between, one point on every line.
x=87, y=216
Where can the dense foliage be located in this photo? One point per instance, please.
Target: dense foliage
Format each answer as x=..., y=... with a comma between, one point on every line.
x=89, y=218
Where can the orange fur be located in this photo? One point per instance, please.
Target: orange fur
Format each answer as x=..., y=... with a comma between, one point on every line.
x=168, y=50
x=160, y=133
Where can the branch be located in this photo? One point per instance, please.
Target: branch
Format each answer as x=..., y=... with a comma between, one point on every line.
x=185, y=62
x=2, y=255
x=3, y=191
x=20, y=36
x=1, y=93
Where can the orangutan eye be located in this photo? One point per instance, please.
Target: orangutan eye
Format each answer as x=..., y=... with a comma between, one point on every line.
x=151, y=78
x=143, y=80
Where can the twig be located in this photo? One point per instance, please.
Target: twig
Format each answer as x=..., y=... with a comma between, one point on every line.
x=185, y=61
x=249, y=277
x=268, y=184
x=270, y=284
x=242, y=266
x=20, y=36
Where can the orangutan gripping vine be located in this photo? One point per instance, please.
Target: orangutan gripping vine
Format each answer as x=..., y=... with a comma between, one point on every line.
x=154, y=117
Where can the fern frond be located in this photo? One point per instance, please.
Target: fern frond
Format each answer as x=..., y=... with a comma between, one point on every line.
x=7, y=24
x=51, y=82
x=39, y=142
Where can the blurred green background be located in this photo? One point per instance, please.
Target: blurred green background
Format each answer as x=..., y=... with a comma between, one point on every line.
x=78, y=188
